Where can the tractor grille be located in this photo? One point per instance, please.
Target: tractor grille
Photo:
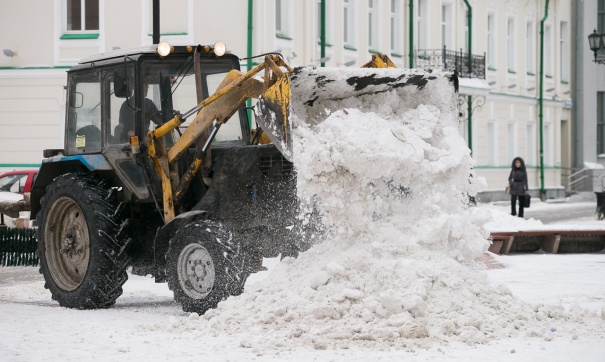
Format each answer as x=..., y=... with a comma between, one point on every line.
x=276, y=166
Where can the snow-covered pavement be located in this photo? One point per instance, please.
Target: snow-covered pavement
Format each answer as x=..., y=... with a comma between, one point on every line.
x=146, y=324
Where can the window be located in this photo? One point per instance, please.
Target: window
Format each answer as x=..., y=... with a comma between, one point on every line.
x=492, y=141
x=510, y=44
x=81, y=15
x=328, y=17
x=548, y=66
x=600, y=123
x=564, y=51
x=119, y=106
x=530, y=145
x=175, y=91
x=421, y=24
x=373, y=22
x=349, y=23
x=491, y=40
x=84, y=115
x=396, y=31
x=511, y=134
x=282, y=18
x=530, y=36
x=446, y=26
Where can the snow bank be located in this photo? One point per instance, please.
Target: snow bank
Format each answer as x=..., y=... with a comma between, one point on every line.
x=392, y=184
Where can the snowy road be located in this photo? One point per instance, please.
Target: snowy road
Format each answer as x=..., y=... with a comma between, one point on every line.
x=147, y=324
x=563, y=213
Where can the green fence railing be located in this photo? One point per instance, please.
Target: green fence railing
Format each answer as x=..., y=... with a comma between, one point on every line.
x=18, y=247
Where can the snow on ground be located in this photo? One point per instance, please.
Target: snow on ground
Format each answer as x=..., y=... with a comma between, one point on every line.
x=402, y=272
x=147, y=324
x=563, y=211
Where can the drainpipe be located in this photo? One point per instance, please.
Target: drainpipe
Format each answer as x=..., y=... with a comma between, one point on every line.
x=249, y=53
x=322, y=32
x=541, y=100
x=411, y=34
x=469, y=100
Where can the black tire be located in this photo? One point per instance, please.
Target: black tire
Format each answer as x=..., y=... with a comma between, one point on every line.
x=204, y=266
x=81, y=242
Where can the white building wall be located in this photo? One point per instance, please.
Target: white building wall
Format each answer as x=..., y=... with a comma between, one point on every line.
x=514, y=90
x=512, y=96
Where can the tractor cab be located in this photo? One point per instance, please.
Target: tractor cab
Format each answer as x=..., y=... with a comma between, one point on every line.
x=116, y=98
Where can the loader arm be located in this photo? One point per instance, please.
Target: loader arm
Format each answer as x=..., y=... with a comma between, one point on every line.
x=214, y=111
x=379, y=61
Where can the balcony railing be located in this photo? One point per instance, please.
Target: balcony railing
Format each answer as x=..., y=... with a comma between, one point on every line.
x=467, y=67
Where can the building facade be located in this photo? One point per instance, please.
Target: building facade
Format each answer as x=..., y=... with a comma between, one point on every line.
x=589, y=102
x=501, y=78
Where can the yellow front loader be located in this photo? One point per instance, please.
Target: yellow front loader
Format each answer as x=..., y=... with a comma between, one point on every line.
x=195, y=197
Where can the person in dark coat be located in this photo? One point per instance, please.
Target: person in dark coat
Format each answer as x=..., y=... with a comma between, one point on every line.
x=518, y=185
x=127, y=115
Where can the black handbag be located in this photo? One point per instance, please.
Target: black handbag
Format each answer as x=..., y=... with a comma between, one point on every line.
x=526, y=200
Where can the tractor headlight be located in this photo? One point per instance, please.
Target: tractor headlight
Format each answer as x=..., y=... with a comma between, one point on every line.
x=164, y=49
x=219, y=49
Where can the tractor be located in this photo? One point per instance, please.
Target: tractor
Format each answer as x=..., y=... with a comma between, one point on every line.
x=195, y=197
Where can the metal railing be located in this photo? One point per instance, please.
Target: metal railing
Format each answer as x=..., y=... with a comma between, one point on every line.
x=18, y=247
x=467, y=67
x=576, y=181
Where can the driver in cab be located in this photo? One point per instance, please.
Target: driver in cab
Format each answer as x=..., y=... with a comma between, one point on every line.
x=128, y=112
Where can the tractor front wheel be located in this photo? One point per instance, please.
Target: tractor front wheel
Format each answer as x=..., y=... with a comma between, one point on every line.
x=204, y=266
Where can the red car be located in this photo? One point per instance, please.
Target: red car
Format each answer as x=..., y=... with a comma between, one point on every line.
x=18, y=181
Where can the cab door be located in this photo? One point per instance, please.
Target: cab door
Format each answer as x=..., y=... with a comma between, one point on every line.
x=117, y=150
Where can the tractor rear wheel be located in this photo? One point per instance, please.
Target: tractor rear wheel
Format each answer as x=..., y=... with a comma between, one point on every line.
x=81, y=242
x=204, y=266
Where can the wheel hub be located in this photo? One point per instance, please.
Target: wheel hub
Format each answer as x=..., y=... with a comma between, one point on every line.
x=72, y=249
x=200, y=270
x=67, y=244
x=196, y=271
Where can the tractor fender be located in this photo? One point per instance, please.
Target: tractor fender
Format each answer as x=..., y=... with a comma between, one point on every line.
x=59, y=165
x=163, y=236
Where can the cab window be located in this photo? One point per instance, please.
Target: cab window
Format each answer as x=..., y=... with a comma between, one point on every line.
x=84, y=115
x=171, y=88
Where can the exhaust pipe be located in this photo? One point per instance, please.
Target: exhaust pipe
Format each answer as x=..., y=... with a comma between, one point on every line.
x=156, y=21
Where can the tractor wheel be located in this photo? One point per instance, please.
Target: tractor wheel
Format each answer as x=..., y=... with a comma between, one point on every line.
x=204, y=266
x=81, y=242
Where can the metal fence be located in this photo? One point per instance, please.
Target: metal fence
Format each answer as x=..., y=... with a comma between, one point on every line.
x=18, y=247
x=467, y=67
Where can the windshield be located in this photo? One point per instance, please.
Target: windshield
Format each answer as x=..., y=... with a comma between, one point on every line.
x=13, y=183
x=169, y=86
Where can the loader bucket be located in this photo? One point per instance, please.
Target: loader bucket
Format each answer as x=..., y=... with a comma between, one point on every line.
x=315, y=93
x=272, y=113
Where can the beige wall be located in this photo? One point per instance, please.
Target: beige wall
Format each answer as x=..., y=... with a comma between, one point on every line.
x=32, y=100
x=27, y=31
x=31, y=116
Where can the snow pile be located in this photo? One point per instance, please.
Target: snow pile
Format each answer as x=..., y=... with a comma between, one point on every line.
x=392, y=183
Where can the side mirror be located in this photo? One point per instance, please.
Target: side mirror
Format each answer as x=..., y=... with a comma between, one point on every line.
x=120, y=87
